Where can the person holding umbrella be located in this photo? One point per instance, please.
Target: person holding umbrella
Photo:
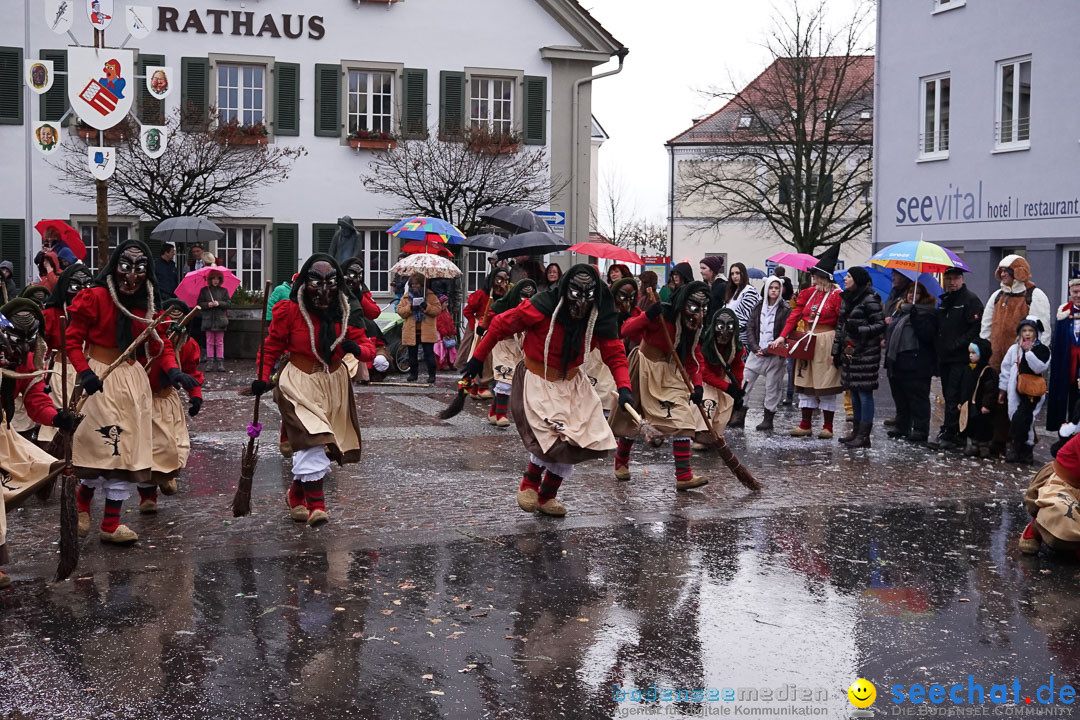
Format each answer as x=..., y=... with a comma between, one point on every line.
x=215, y=303
x=420, y=308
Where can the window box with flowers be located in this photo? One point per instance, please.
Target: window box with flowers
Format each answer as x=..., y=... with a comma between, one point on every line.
x=116, y=134
x=494, y=143
x=372, y=140
x=234, y=133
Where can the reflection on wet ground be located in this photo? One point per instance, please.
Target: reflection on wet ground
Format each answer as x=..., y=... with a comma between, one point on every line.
x=546, y=624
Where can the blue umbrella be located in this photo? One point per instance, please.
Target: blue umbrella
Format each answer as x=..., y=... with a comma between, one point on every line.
x=755, y=273
x=881, y=279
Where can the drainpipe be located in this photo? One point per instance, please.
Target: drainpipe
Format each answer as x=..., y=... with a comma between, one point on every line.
x=574, y=140
x=671, y=204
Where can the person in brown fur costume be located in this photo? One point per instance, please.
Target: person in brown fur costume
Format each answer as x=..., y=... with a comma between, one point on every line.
x=1016, y=299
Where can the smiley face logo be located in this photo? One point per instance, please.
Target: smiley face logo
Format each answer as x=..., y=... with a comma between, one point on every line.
x=862, y=693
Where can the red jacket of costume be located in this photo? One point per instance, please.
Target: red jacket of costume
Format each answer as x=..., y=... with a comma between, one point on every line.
x=39, y=406
x=189, y=363
x=93, y=319
x=641, y=329
x=535, y=324
x=809, y=302
x=371, y=310
x=717, y=375
x=289, y=333
x=52, y=326
x=475, y=308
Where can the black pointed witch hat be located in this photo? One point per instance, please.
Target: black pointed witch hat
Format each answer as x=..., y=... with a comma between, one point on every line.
x=826, y=264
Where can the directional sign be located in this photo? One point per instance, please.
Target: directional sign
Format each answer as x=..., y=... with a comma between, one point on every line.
x=555, y=220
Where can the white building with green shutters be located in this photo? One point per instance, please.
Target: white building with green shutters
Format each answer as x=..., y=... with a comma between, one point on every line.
x=314, y=73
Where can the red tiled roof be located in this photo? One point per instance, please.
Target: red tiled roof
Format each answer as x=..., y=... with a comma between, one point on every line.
x=768, y=90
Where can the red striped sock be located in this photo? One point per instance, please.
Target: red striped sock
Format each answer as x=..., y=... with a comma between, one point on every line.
x=680, y=448
x=149, y=493
x=549, y=488
x=111, y=521
x=500, y=403
x=313, y=495
x=531, y=480
x=827, y=416
x=807, y=416
x=83, y=497
x=622, y=452
x=296, y=494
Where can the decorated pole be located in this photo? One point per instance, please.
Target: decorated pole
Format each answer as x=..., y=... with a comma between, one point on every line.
x=102, y=185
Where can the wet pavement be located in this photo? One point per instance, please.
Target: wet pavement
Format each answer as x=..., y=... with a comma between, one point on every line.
x=431, y=595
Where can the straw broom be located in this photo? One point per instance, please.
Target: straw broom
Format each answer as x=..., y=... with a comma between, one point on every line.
x=69, y=513
x=241, y=504
x=458, y=403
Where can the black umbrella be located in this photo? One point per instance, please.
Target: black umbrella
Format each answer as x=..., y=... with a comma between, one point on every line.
x=515, y=219
x=533, y=243
x=486, y=241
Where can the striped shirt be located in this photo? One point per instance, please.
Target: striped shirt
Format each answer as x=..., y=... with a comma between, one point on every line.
x=742, y=305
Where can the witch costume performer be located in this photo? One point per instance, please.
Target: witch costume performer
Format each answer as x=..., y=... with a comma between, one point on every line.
x=506, y=355
x=659, y=391
x=75, y=278
x=559, y=417
x=23, y=465
x=313, y=391
x=113, y=446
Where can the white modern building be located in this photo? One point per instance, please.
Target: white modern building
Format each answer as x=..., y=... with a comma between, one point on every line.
x=314, y=73
x=977, y=137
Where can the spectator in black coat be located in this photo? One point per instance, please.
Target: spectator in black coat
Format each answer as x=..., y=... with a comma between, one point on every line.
x=857, y=351
x=911, y=360
x=165, y=272
x=979, y=392
x=959, y=323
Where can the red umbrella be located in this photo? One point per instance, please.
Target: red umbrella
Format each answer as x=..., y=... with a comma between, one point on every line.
x=608, y=252
x=419, y=246
x=68, y=235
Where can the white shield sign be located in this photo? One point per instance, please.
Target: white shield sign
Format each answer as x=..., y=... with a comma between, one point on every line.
x=97, y=85
x=59, y=15
x=39, y=75
x=138, y=20
x=154, y=139
x=100, y=13
x=46, y=137
x=102, y=161
x=159, y=81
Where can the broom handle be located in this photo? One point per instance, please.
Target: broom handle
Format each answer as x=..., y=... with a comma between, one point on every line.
x=262, y=343
x=122, y=358
x=63, y=381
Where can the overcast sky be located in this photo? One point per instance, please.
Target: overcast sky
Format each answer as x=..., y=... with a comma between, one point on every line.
x=678, y=50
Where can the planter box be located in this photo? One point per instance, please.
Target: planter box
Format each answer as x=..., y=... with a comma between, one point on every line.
x=113, y=135
x=238, y=139
x=242, y=337
x=372, y=144
x=495, y=148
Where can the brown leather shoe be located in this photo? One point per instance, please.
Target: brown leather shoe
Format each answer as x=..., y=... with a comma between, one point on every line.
x=825, y=434
x=502, y=421
x=5, y=581
x=299, y=513
x=148, y=507
x=317, y=517
x=552, y=507
x=84, y=524
x=168, y=488
x=122, y=535
x=800, y=432
x=692, y=483
x=622, y=474
x=528, y=500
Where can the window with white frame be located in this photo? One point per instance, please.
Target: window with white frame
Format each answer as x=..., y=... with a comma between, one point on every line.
x=377, y=260
x=241, y=250
x=477, y=264
x=371, y=101
x=241, y=94
x=492, y=105
x=1014, y=104
x=934, y=137
x=117, y=235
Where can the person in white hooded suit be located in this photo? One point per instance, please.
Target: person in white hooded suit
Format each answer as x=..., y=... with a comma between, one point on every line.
x=765, y=324
x=1023, y=383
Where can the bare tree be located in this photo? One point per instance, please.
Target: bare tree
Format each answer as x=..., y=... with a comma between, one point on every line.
x=794, y=148
x=457, y=180
x=206, y=170
x=616, y=218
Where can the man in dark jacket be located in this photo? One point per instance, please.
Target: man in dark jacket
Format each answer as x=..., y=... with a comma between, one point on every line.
x=959, y=323
x=165, y=271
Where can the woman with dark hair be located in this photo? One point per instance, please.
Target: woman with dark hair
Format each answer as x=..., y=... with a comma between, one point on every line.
x=617, y=272
x=420, y=308
x=649, y=294
x=552, y=276
x=741, y=297
x=857, y=350
x=910, y=362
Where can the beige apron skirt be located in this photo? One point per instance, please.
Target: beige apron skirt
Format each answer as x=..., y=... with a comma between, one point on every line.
x=560, y=421
x=24, y=467
x=661, y=398
x=353, y=367
x=601, y=379
x=20, y=421
x=172, y=444
x=819, y=377
x=319, y=409
x=1055, y=505
x=46, y=433
x=718, y=405
x=505, y=357
x=115, y=438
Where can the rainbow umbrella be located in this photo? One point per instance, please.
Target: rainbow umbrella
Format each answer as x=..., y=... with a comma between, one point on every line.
x=426, y=228
x=917, y=255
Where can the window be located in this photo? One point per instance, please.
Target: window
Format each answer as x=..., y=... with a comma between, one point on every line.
x=1013, y=126
x=241, y=250
x=492, y=105
x=117, y=235
x=377, y=260
x=477, y=264
x=241, y=94
x=934, y=138
x=371, y=101
x=1070, y=268
x=744, y=120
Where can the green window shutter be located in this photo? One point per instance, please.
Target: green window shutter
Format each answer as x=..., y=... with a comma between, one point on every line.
x=534, y=117
x=13, y=247
x=286, y=98
x=414, y=104
x=328, y=101
x=286, y=251
x=11, y=86
x=321, y=236
x=194, y=92
x=151, y=110
x=54, y=103
x=451, y=104
x=145, y=228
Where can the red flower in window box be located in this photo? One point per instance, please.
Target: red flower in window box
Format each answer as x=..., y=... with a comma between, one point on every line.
x=372, y=140
x=494, y=143
x=234, y=133
x=114, y=135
